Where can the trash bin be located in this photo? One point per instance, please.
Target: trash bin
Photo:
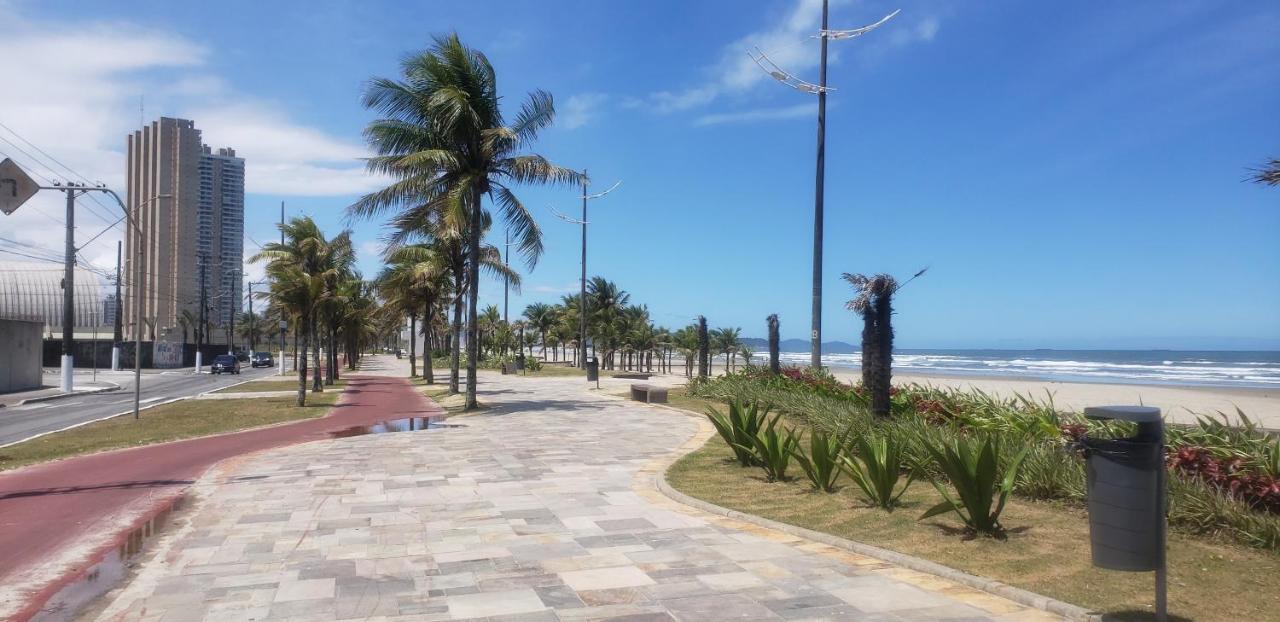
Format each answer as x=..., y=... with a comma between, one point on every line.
x=593, y=370
x=1126, y=491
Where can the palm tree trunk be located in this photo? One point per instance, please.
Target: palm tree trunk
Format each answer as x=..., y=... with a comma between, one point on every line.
x=302, y=370
x=413, y=345
x=427, y=318
x=882, y=379
x=317, y=383
x=473, y=296
x=457, y=333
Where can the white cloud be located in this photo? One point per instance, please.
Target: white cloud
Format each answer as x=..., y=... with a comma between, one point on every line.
x=789, y=43
x=760, y=114
x=581, y=109
x=76, y=94
x=568, y=288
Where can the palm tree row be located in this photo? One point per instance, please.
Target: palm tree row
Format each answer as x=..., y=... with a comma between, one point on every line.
x=313, y=283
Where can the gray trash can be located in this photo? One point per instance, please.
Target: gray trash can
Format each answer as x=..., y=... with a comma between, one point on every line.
x=593, y=370
x=1126, y=496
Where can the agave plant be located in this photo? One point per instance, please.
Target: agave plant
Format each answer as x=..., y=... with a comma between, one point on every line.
x=972, y=465
x=772, y=448
x=877, y=468
x=821, y=464
x=740, y=427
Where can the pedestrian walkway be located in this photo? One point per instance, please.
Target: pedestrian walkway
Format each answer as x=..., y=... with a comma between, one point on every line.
x=541, y=508
x=58, y=518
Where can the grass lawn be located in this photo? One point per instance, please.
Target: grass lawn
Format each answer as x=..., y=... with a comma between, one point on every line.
x=1047, y=551
x=439, y=393
x=277, y=384
x=167, y=422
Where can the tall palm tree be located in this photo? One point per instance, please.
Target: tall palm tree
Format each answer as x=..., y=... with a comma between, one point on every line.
x=444, y=141
x=414, y=283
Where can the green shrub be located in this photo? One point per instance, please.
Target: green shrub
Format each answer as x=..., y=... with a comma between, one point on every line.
x=972, y=467
x=1199, y=507
x=822, y=462
x=739, y=428
x=1051, y=471
x=876, y=469
x=773, y=448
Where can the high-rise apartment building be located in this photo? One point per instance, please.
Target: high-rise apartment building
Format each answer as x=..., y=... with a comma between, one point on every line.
x=189, y=202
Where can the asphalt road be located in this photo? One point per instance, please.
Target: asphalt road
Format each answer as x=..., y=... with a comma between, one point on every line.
x=22, y=422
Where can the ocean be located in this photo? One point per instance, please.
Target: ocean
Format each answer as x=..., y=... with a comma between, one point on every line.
x=1165, y=367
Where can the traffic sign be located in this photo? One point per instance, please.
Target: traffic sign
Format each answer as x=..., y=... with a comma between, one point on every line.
x=16, y=186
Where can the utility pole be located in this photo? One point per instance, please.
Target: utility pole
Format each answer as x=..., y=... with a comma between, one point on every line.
x=68, y=294
x=118, y=337
x=252, y=342
x=820, y=89
x=200, y=329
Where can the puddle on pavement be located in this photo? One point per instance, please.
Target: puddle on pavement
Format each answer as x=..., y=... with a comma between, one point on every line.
x=411, y=424
x=68, y=601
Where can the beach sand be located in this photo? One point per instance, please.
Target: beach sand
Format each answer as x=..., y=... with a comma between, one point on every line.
x=1179, y=404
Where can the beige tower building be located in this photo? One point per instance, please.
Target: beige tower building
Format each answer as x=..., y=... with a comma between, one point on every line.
x=189, y=202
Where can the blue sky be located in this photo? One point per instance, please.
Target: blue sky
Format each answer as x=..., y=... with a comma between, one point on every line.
x=1071, y=174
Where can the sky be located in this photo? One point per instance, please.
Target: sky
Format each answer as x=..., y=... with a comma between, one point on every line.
x=1073, y=175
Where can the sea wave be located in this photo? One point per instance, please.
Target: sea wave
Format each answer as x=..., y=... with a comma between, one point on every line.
x=1142, y=368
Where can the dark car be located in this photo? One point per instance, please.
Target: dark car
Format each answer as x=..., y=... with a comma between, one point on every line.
x=262, y=359
x=242, y=356
x=225, y=364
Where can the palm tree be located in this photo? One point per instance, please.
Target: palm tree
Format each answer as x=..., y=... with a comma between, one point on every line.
x=299, y=269
x=444, y=141
x=746, y=353
x=416, y=280
x=1269, y=174
x=541, y=318
x=772, y=321
x=186, y=320
x=874, y=302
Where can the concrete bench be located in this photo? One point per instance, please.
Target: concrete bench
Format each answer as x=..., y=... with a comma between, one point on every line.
x=649, y=394
x=632, y=376
x=508, y=368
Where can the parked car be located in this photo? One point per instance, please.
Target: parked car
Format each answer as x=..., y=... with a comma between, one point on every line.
x=225, y=364
x=262, y=359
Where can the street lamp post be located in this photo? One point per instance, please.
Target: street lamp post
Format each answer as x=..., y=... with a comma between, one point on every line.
x=820, y=89
x=582, y=294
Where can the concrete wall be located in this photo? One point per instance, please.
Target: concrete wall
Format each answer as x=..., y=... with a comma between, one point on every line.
x=20, y=355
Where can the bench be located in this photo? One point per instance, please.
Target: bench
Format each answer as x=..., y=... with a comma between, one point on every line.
x=648, y=394
x=632, y=376
x=508, y=368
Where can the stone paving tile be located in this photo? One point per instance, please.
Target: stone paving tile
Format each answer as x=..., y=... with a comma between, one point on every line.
x=541, y=508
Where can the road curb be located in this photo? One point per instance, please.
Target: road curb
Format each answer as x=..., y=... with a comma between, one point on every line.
x=60, y=396
x=991, y=586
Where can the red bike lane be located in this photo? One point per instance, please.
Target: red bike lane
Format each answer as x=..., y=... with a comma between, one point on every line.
x=48, y=508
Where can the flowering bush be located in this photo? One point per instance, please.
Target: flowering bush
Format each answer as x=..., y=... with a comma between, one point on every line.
x=1227, y=474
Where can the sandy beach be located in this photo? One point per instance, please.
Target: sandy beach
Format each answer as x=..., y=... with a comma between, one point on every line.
x=1178, y=403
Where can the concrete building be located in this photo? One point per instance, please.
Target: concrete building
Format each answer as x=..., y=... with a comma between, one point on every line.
x=190, y=205
x=33, y=291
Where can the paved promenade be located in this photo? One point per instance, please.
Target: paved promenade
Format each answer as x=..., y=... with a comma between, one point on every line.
x=541, y=508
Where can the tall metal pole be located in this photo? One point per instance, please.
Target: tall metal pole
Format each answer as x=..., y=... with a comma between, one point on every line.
x=284, y=325
x=582, y=294
x=506, y=281
x=118, y=335
x=68, y=295
x=137, y=309
x=252, y=321
x=202, y=328
x=815, y=337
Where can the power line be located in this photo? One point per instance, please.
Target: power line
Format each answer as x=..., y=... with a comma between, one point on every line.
x=59, y=163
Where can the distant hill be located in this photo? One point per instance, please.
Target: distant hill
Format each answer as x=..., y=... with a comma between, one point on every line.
x=800, y=345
